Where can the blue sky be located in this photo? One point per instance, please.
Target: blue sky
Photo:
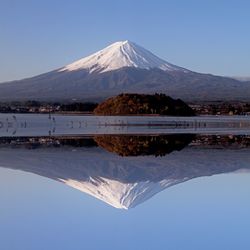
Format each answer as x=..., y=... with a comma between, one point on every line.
x=205, y=36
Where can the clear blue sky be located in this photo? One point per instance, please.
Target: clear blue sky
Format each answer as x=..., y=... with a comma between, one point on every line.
x=205, y=36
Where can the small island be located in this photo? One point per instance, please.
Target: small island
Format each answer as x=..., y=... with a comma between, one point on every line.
x=143, y=104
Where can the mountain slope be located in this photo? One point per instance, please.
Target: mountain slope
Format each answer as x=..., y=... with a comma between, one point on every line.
x=123, y=67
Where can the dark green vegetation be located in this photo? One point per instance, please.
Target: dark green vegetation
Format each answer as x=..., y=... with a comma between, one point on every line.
x=136, y=104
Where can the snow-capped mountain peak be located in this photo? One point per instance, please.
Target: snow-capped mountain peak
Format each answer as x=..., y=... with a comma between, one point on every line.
x=118, y=55
x=123, y=67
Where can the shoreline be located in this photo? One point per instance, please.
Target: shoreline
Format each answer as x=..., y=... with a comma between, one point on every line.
x=64, y=125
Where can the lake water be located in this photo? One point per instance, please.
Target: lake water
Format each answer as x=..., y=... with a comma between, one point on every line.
x=85, y=182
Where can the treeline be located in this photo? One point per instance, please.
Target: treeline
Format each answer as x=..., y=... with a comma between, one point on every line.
x=44, y=107
x=79, y=106
x=222, y=108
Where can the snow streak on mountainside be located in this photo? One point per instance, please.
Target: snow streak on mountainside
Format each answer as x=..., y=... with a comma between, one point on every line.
x=119, y=55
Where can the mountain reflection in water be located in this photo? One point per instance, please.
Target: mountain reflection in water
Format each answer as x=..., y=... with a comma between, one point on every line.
x=122, y=170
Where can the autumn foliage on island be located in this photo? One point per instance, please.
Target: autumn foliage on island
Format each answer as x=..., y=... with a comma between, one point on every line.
x=137, y=104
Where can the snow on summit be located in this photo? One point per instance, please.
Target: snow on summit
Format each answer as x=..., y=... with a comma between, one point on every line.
x=118, y=55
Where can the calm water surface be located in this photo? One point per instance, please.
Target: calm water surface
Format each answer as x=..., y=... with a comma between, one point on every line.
x=161, y=191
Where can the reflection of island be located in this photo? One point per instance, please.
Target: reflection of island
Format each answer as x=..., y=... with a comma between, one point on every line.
x=125, y=182
x=158, y=145
x=123, y=145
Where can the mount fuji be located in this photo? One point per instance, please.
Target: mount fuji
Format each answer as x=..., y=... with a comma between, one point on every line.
x=123, y=67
